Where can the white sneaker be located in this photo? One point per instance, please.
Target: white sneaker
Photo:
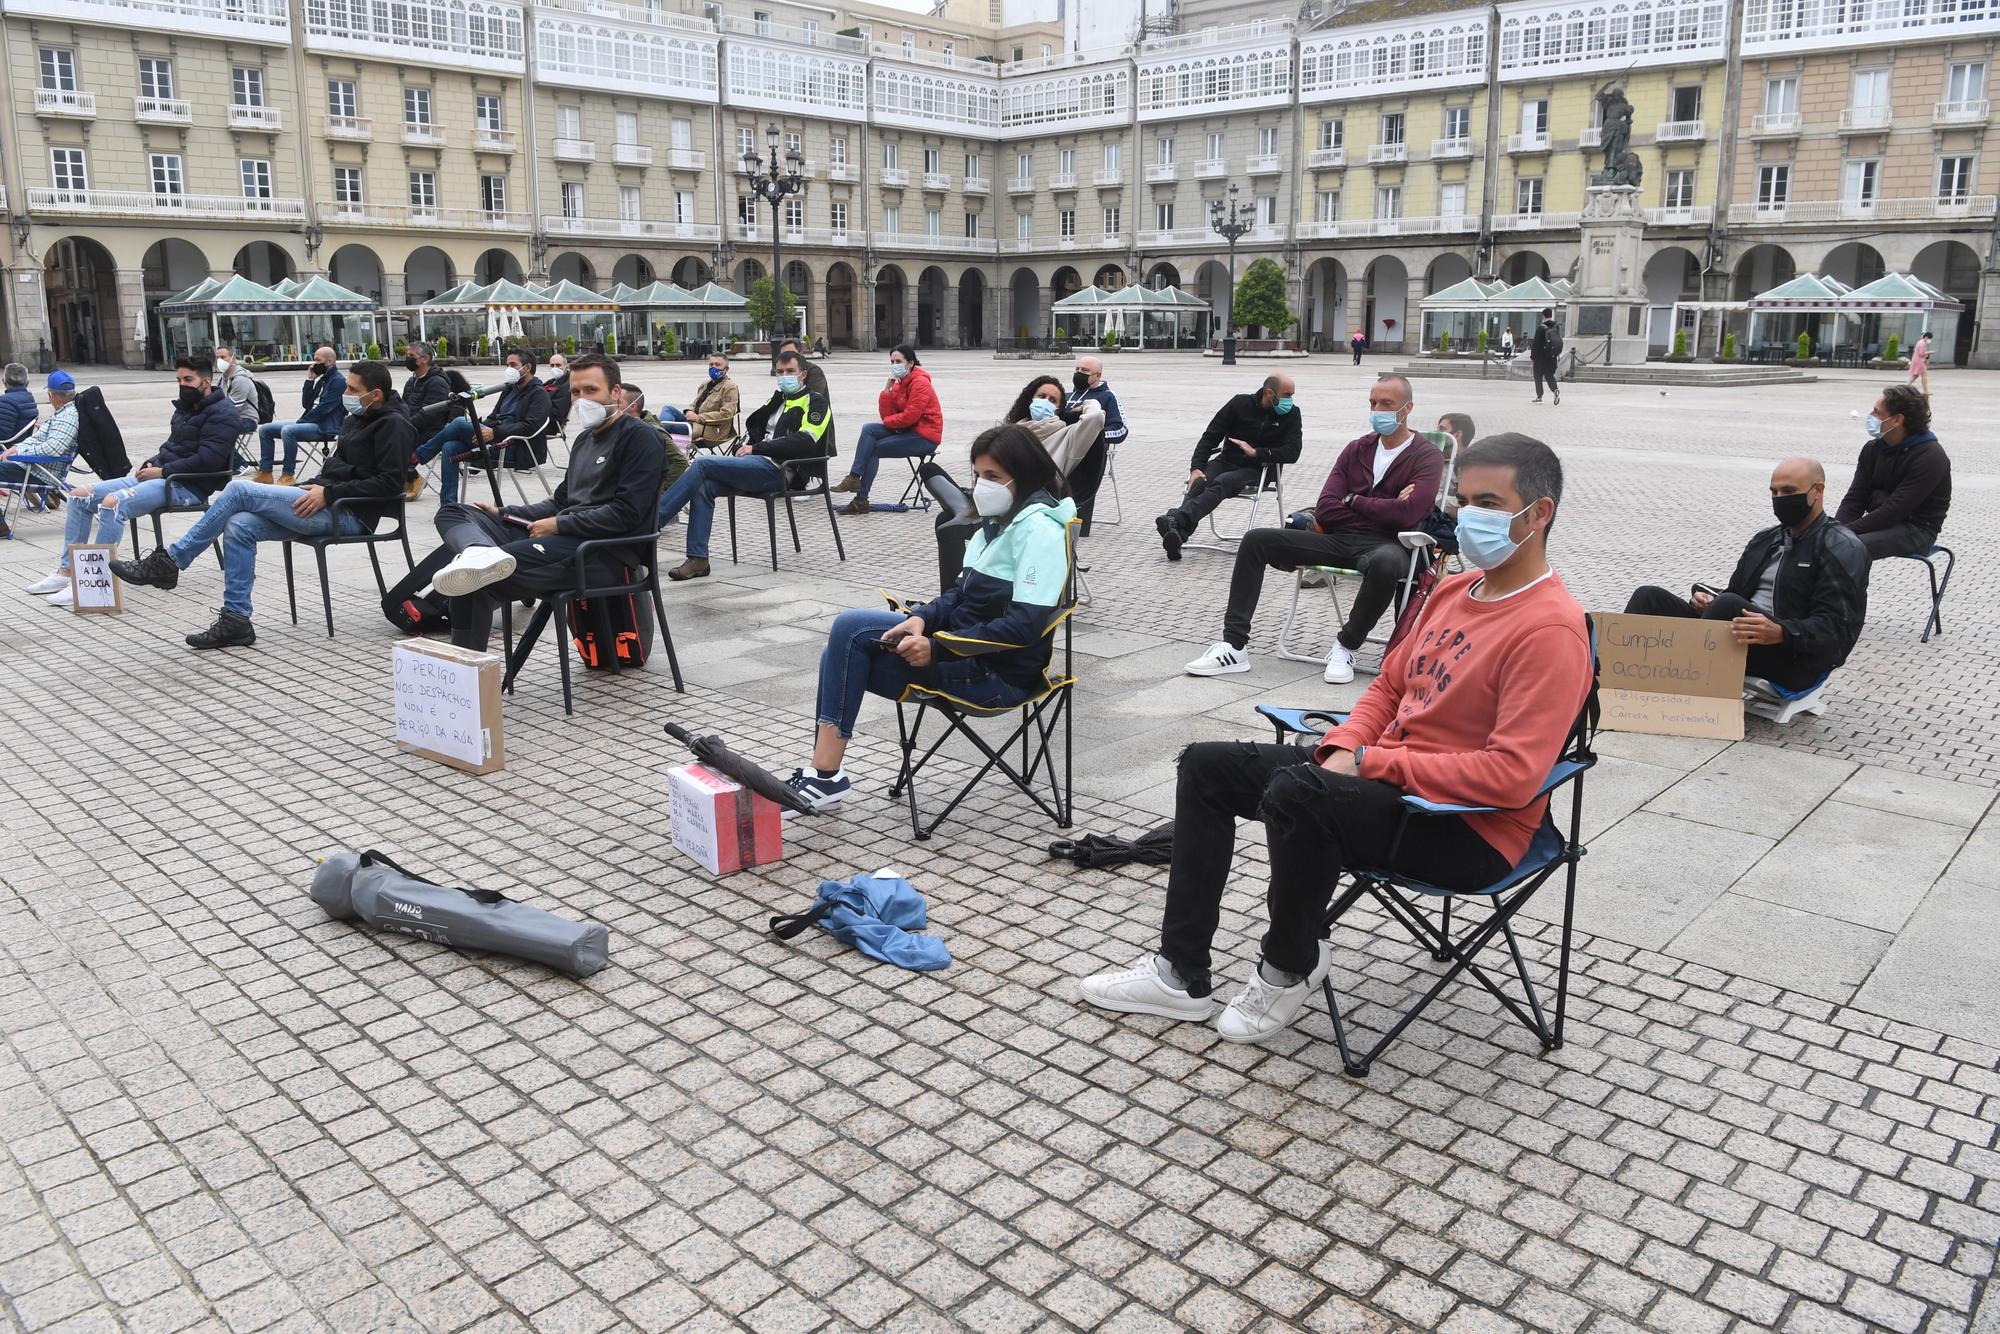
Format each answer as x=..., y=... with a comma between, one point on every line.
x=1261, y=1010
x=1220, y=660
x=1141, y=990
x=62, y=597
x=1312, y=578
x=44, y=587
x=1339, y=665
x=471, y=570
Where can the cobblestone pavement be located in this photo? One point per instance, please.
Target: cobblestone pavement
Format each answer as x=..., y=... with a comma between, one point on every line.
x=220, y=1110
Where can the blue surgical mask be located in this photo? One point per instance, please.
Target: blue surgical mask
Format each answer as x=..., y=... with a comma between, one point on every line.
x=788, y=384
x=1041, y=409
x=1874, y=425
x=1284, y=405
x=352, y=402
x=715, y=372
x=1485, y=537
x=1384, y=423
x=898, y=369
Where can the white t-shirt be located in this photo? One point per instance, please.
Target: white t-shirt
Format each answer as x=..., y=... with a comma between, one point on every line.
x=1385, y=457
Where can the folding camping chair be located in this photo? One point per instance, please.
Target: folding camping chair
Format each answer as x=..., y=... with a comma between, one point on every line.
x=1035, y=730
x=513, y=455
x=43, y=478
x=1270, y=478
x=1768, y=699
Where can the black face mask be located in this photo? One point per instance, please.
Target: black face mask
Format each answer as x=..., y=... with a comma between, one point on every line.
x=1081, y=381
x=409, y=363
x=318, y=370
x=1793, y=509
x=189, y=398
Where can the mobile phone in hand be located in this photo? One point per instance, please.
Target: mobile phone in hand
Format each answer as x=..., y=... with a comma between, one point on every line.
x=517, y=521
x=1708, y=589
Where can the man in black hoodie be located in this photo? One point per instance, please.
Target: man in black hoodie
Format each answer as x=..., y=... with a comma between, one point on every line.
x=612, y=489
x=1248, y=433
x=427, y=387
x=1901, y=490
x=360, y=484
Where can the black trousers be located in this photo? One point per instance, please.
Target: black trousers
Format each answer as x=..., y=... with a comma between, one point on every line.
x=541, y=565
x=951, y=539
x=1357, y=353
x=1382, y=562
x=1085, y=479
x=1317, y=825
x=1902, y=539
x=1202, y=498
x=1545, y=372
x=1774, y=662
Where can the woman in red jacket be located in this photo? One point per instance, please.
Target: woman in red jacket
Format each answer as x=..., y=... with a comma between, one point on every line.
x=912, y=425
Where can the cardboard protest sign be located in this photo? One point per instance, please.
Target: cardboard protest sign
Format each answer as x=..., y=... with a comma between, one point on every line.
x=720, y=823
x=1669, y=676
x=94, y=589
x=448, y=705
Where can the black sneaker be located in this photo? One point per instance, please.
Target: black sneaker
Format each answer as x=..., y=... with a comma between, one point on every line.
x=157, y=570
x=229, y=631
x=1170, y=535
x=822, y=794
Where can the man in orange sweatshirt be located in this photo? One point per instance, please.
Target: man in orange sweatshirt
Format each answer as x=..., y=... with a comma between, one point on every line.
x=1471, y=708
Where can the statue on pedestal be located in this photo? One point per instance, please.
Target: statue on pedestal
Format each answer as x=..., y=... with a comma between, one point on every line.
x=1621, y=164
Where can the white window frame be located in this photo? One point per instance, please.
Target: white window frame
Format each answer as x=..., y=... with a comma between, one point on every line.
x=169, y=170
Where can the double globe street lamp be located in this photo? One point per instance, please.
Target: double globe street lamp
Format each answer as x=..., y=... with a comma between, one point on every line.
x=1233, y=223
x=774, y=180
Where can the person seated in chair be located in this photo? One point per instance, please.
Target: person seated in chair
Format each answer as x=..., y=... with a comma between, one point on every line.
x=1800, y=593
x=984, y=642
x=1384, y=483
x=1087, y=383
x=428, y=388
x=557, y=383
x=1249, y=433
x=319, y=399
x=43, y=455
x=18, y=409
x=523, y=409
x=368, y=465
x=911, y=427
x=716, y=405
x=810, y=373
x=630, y=399
x=611, y=489
x=1514, y=646
x=1901, y=490
x=237, y=383
x=789, y=434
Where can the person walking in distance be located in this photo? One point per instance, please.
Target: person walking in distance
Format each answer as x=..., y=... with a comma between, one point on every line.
x=1543, y=350
x=1920, y=363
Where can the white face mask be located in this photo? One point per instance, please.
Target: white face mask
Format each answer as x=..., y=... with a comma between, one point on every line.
x=992, y=499
x=222, y=365
x=510, y=375
x=590, y=414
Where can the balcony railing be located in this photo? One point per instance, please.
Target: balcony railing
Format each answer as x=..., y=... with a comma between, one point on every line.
x=1405, y=226
x=1263, y=164
x=415, y=215
x=760, y=233
x=494, y=141
x=65, y=102
x=1063, y=180
x=686, y=159
x=1388, y=153
x=1533, y=222
x=423, y=136
x=976, y=185
x=142, y=203
x=1774, y=125
x=1590, y=136
x=162, y=111
x=1109, y=176
x=1680, y=131
x=1021, y=185
x=926, y=241
x=1925, y=209
x=748, y=25
x=1161, y=171
x=936, y=180
x=1211, y=168
x=359, y=129
x=632, y=155
x=918, y=56
x=1177, y=236
x=1694, y=215
x=575, y=150
x=895, y=176
x=1443, y=150
x=1960, y=113
x=1327, y=157
x=843, y=171
x=1862, y=120
x=1528, y=143
x=634, y=228
x=269, y=119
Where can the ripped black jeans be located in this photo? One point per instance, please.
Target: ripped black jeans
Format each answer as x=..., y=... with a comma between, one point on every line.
x=1317, y=825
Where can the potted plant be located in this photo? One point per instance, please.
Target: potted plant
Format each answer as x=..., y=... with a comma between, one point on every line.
x=1728, y=353
x=1482, y=342
x=611, y=345
x=1444, y=342
x=1680, y=350
x=484, y=347
x=1804, y=353
x=569, y=345
x=443, y=347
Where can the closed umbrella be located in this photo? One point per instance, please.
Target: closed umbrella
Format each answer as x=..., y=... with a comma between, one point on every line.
x=712, y=751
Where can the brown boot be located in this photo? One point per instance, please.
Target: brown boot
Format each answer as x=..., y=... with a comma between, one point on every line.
x=286, y=479
x=858, y=505
x=262, y=477
x=414, y=489
x=694, y=567
x=848, y=485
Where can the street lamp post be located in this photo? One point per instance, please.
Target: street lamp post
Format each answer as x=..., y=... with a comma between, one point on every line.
x=1232, y=222
x=774, y=180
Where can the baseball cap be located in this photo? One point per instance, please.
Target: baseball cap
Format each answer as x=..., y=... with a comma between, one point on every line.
x=61, y=382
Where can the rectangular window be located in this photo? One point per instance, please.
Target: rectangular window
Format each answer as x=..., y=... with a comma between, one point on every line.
x=1871, y=90
x=417, y=107
x=947, y=49
x=795, y=214
x=493, y=194
x=1163, y=152
x=1163, y=216
x=66, y=169
x=1326, y=206
x=1451, y=200
x=889, y=155
x=1774, y=186
x=746, y=211
x=246, y=86
x=486, y=111
x=795, y=144
x=836, y=151
x=684, y=206
x=972, y=165
x=423, y=192
x=1331, y=133
x=838, y=217
x=1954, y=180
x=1215, y=153
x=630, y=208
x=809, y=28
x=1858, y=182
x=933, y=223
x=1066, y=224
x=569, y=122
x=572, y=199
x=1024, y=226
x=347, y=187
x=892, y=219
x=627, y=127
x=1966, y=82
x=1112, y=158
x=1267, y=140
x=156, y=78
x=1388, y=201
x=761, y=20
x=58, y=69
x=1024, y=166
x=1781, y=96
x=1114, y=218
x=1267, y=210
x=1685, y=103
x=1528, y=195
x=746, y=143
x=1458, y=122
x=1535, y=117
x=167, y=181
x=256, y=174
x=972, y=226
x=682, y=132
x=1679, y=195
x=1066, y=162
x=1392, y=128
x=340, y=101
x=933, y=161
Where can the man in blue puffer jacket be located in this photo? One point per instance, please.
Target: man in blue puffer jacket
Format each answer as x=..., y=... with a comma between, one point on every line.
x=320, y=416
x=18, y=408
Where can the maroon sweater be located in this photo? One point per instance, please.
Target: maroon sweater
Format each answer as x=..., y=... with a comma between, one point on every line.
x=1375, y=507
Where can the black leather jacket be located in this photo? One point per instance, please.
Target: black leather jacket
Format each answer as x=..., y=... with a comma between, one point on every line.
x=1821, y=598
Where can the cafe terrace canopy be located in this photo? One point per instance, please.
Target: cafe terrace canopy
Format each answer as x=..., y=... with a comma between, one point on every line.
x=1143, y=316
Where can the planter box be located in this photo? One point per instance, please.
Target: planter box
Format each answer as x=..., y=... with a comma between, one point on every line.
x=1878, y=364
x=1802, y=363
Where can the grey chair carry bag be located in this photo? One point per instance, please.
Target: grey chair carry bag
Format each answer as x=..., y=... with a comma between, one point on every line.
x=371, y=887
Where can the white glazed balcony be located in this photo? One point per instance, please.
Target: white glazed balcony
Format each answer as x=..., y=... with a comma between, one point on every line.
x=1387, y=153
x=1445, y=150
x=1865, y=120
x=410, y=215
x=1021, y=185
x=1590, y=136
x=1680, y=131
x=1774, y=125
x=1161, y=172
x=1527, y=143
x=1960, y=113
x=1109, y=177
x=1062, y=180
x=633, y=228
x=423, y=136
x=632, y=155
x=837, y=171
x=686, y=159
x=894, y=178
x=1695, y=215
x=936, y=181
x=1211, y=169
x=976, y=185
x=1264, y=164
x=487, y=140
x=574, y=150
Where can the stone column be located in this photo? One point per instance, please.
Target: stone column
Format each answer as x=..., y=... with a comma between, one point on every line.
x=864, y=311
x=948, y=318
x=1985, y=352
x=27, y=303
x=1413, y=316
x=909, y=310
x=1357, y=305
x=126, y=342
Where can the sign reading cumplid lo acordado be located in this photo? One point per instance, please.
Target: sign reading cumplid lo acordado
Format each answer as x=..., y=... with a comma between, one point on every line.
x=1669, y=676
x=448, y=705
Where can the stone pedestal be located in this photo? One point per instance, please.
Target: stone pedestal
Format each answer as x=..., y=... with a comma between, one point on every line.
x=1609, y=299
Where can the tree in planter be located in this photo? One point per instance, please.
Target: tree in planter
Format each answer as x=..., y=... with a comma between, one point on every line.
x=761, y=310
x=611, y=345
x=374, y=352
x=1680, y=342
x=443, y=347
x=668, y=344
x=1111, y=340
x=569, y=346
x=1805, y=346
x=1260, y=299
x=1729, y=347
x=1482, y=342
x=1444, y=340
x=484, y=347
x=1892, y=347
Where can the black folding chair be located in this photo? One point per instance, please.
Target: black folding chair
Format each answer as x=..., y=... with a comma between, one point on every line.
x=802, y=481
x=319, y=544
x=642, y=576
x=1402, y=897
x=1034, y=731
x=1933, y=624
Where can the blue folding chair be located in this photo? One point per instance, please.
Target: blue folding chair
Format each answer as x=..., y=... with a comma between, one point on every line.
x=1402, y=897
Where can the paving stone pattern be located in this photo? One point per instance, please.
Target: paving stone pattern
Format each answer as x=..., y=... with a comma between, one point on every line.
x=220, y=1110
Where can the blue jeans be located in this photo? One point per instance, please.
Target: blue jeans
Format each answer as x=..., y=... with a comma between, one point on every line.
x=849, y=668
x=135, y=500
x=712, y=475
x=454, y=440
x=292, y=433
x=242, y=515
x=878, y=442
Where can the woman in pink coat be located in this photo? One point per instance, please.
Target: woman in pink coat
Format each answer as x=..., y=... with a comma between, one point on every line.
x=912, y=425
x=1920, y=362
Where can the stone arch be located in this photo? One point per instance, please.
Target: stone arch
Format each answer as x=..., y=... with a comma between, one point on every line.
x=1110, y=277
x=170, y=265
x=1024, y=305
x=691, y=272
x=799, y=282
x=1854, y=263
x=573, y=268
x=1211, y=284
x=1387, y=295
x=748, y=271
x=840, y=296
x=264, y=262
x=1163, y=275
x=496, y=265
x=358, y=269
x=972, y=309
x=1672, y=274
x=1760, y=268
x=80, y=287
x=633, y=271
x=1953, y=268
x=891, y=292
x=426, y=273
x=1064, y=282
x=1445, y=271
x=1326, y=314
x=932, y=285
x=1522, y=265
